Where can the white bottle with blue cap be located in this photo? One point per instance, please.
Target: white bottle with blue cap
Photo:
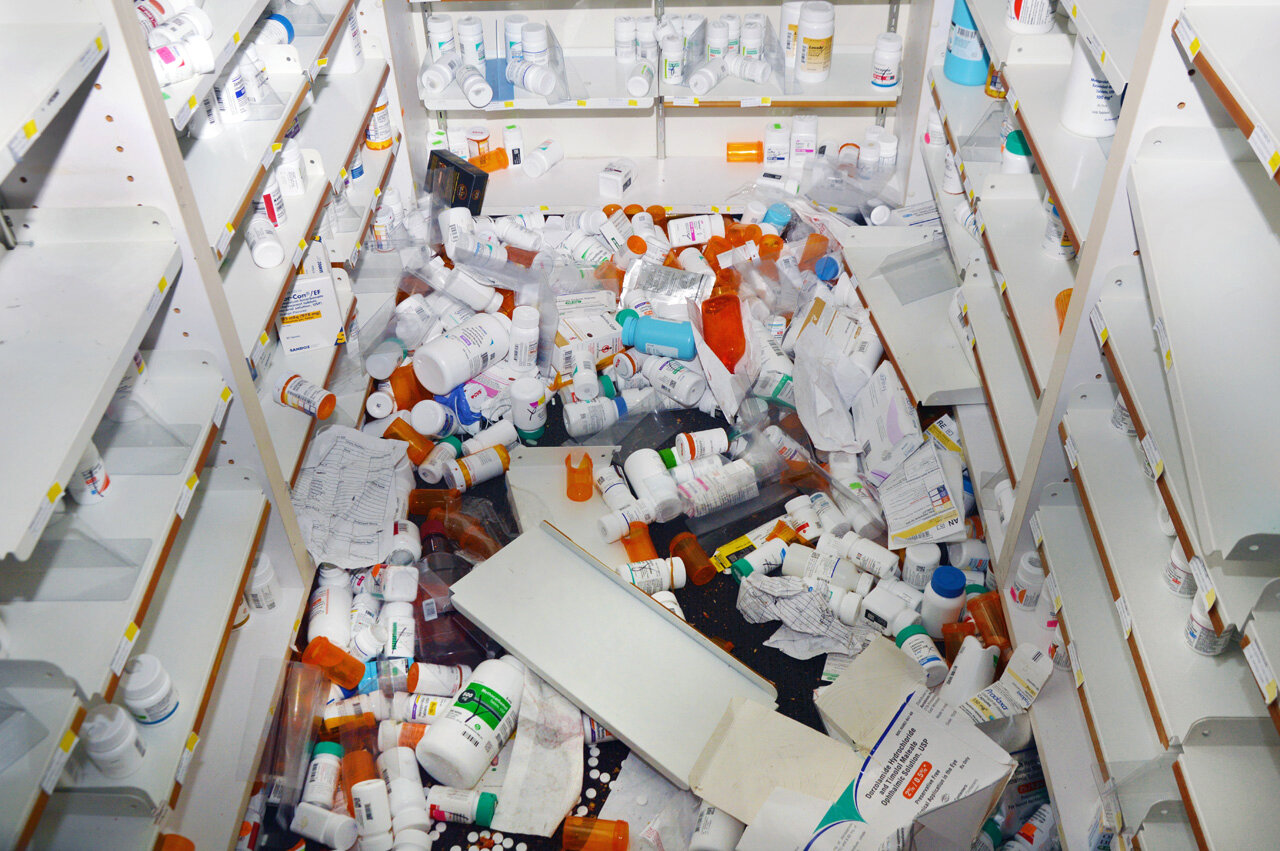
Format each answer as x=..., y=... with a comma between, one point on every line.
x=943, y=599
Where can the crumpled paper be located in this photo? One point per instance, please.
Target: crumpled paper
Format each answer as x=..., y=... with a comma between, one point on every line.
x=659, y=814
x=545, y=773
x=809, y=627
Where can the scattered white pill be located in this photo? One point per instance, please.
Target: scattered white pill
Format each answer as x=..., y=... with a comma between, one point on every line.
x=581, y=811
x=593, y=773
x=473, y=837
x=604, y=778
x=591, y=793
x=595, y=751
x=593, y=762
x=642, y=800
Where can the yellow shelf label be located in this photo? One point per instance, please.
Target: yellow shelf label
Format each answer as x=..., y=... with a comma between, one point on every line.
x=29, y=129
x=235, y=37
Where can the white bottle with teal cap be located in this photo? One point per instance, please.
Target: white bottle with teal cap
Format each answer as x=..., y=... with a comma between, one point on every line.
x=989, y=838
x=916, y=643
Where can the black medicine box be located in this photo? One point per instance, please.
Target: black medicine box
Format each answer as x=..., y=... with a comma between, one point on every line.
x=456, y=182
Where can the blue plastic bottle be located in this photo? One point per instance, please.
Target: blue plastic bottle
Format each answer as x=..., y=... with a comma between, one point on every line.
x=657, y=336
x=456, y=401
x=967, y=59
x=778, y=215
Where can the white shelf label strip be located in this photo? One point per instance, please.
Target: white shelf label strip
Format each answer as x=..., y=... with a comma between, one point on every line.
x=1187, y=35
x=1037, y=534
x=1261, y=668
x=1126, y=620
x=1265, y=147
x=124, y=648
x=1204, y=581
x=1165, y=350
x=1070, y=446
x=1153, y=456
x=49, y=781
x=1099, y=325
x=1075, y=664
x=1055, y=594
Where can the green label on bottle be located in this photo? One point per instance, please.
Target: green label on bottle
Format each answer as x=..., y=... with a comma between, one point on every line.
x=481, y=704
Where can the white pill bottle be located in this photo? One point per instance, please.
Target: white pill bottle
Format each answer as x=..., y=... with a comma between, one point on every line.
x=458, y=746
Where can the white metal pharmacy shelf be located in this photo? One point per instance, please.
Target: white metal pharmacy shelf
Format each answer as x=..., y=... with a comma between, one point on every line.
x=331, y=131
x=64, y=363
x=363, y=196
x=51, y=47
x=107, y=207
x=681, y=165
x=232, y=21
x=1110, y=32
x=213, y=556
x=227, y=170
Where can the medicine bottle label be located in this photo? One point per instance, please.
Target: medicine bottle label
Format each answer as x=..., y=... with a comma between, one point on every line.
x=963, y=43
x=480, y=705
x=299, y=393
x=815, y=54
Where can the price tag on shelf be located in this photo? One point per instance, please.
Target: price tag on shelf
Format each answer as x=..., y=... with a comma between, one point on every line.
x=1037, y=534
x=1265, y=147
x=158, y=296
x=184, y=759
x=942, y=112
x=90, y=55
x=1076, y=670
x=1261, y=668
x=1055, y=594
x=1187, y=35
x=124, y=648
x=57, y=761
x=1010, y=97
x=1092, y=42
x=581, y=102
x=188, y=491
x=751, y=102
x=45, y=509
x=1075, y=11
x=1070, y=446
x=1000, y=280
x=1099, y=325
x=1126, y=620
x=1204, y=581
x=299, y=251
x=684, y=101
x=1156, y=462
x=355, y=255
x=982, y=224
x=220, y=409
x=224, y=238
x=184, y=113
x=1163, y=337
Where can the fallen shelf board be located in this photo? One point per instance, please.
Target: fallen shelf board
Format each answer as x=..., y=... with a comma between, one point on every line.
x=656, y=682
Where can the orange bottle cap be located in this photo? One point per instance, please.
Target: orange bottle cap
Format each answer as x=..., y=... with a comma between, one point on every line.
x=637, y=245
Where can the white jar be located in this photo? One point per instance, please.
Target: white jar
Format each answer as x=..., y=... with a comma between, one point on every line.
x=315, y=821
x=624, y=39
x=471, y=41
x=674, y=379
x=148, y=690
x=290, y=170
x=1090, y=106
x=260, y=590
x=264, y=245
x=1200, y=634
x=648, y=477
x=672, y=60
x=734, y=24
x=969, y=554
x=474, y=86
x=789, y=25
x=467, y=472
x=271, y=201
x=191, y=22
x=329, y=614
x=815, y=35
x=458, y=747
x=807, y=563
x=1029, y=16
x=916, y=643
x=232, y=97
x=886, y=60
x=640, y=78
x=717, y=39
x=111, y=741
x=127, y=403
x=322, y=774
x=1177, y=573
x=943, y=600
x=539, y=79
x=715, y=830
x=869, y=556
x=539, y=160
x=173, y=63
x=655, y=574
x=348, y=57
x=535, y=43
x=440, y=36
x=512, y=26
x=886, y=611
x=90, y=480
x=919, y=563
x=463, y=353
x=406, y=548
x=437, y=76
x=888, y=152
x=397, y=618
x=751, y=45
x=1024, y=590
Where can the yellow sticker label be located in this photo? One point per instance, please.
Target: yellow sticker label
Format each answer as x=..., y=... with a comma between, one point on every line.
x=192, y=102
x=1273, y=162
x=276, y=147
x=163, y=284
x=98, y=43
x=67, y=742
x=508, y=104
x=633, y=103
x=225, y=395
x=582, y=103
x=342, y=173
x=1194, y=47
x=235, y=37
x=1103, y=57
x=54, y=491
x=29, y=129
x=191, y=485
x=714, y=208
x=542, y=208
x=377, y=191
x=192, y=741
x=1075, y=11
x=230, y=227
x=322, y=61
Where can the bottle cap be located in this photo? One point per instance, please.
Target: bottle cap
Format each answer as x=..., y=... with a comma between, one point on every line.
x=679, y=576
x=532, y=436
x=331, y=748
x=607, y=387
x=948, y=581
x=973, y=588
x=1016, y=143
x=992, y=830
x=668, y=456
x=908, y=631
x=485, y=808
x=827, y=269
x=284, y=22
x=849, y=607
x=742, y=569
x=621, y=318
x=903, y=619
